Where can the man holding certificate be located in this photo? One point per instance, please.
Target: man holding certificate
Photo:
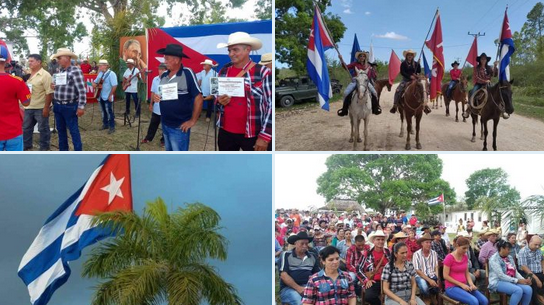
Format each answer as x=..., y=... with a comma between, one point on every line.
x=244, y=90
x=179, y=98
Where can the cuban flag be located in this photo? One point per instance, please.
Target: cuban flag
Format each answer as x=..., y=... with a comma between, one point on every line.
x=436, y=200
x=506, y=50
x=319, y=42
x=44, y=267
x=426, y=66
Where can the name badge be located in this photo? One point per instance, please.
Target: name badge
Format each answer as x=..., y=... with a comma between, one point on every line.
x=61, y=79
x=168, y=92
x=29, y=87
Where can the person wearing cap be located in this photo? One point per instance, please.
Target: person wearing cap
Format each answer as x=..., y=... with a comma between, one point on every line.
x=245, y=122
x=397, y=237
x=295, y=268
x=12, y=91
x=289, y=226
x=155, y=109
x=131, y=75
x=330, y=285
x=53, y=67
x=266, y=60
x=425, y=261
x=361, y=63
x=489, y=247
x=86, y=67
x=370, y=269
x=178, y=115
x=482, y=77
x=37, y=112
x=482, y=239
x=204, y=78
x=531, y=262
x=410, y=71
x=108, y=79
x=455, y=74
x=69, y=99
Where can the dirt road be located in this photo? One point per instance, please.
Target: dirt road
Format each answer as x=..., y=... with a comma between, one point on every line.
x=317, y=130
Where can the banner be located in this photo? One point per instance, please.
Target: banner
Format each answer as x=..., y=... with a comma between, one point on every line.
x=89, y=79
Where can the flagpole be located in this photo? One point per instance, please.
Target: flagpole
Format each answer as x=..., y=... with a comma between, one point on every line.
x=430, y=28
x=444, y=204
x=330, y=35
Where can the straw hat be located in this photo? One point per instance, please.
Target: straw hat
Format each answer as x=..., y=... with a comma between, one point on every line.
x=361, y=52
x=375, y=234
x=64, y=52
x=483, y=232
x=409, y=52
x=130, y=61
x=399, y=235
x=423, y=238
x=241, y=38
x=266, y=58
x=491, y=232
x=103, y=62
x=208, y=62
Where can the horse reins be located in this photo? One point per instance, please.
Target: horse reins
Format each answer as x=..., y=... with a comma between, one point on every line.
x=420, y=104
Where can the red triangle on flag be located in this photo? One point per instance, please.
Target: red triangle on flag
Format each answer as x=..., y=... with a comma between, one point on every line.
x=111, y=189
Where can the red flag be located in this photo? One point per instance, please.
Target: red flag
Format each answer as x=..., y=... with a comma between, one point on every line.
x=471, y=57
x=435, y=45
x=394, y=67
x=111, y=188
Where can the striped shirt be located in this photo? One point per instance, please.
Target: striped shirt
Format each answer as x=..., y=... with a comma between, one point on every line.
x=299, y=269
x=258, y=89
x=531, y=259
x=426, y=264
x=322, y=290
x=74, y=90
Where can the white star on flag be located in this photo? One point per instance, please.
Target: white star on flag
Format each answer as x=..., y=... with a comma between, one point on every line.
x=114, y=188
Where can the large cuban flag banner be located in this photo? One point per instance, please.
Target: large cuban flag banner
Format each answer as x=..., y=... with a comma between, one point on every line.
x=200, y=42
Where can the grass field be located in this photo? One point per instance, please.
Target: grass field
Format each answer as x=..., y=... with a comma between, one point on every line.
x=126, y=137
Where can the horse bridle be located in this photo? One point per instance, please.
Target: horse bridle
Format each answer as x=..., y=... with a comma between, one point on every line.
x=366, y=87
x=420, y=104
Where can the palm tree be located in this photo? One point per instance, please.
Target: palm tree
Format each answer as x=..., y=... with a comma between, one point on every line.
x=160, y=257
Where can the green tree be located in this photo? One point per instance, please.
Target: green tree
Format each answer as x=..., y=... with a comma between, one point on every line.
x=384, y=182
x=293, y=23
x=491, y=183
x=160, y=257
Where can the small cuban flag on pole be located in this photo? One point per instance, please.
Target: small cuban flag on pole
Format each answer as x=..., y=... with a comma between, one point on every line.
x=506, y=49
x=45, y=266
x=436, y=200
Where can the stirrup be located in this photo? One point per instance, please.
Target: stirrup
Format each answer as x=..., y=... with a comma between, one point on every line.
x=341, y=112
x=426, y=109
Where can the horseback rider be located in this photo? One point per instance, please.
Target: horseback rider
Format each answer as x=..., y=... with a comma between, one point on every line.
x=483, y=74
x=410, y=70
x=455, y=74
x=361, y=64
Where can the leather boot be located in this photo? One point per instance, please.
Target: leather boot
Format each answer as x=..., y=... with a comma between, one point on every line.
x=345, y=106
x=376, y=109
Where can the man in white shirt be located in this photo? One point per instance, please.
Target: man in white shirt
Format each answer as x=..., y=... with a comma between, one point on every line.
x=130, y=86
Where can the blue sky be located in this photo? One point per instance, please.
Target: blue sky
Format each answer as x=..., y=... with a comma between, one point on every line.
x=406, y=23
x=238, y=187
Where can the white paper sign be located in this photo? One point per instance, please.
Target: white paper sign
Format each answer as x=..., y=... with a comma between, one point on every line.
x=168, y=91
x=231, y=86
x=29, y=87
x=60, y=79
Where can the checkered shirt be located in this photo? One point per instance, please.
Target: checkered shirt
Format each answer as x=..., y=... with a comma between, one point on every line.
x=531, y=259
x=399, y=280
x=74, y=90
x=322, y=290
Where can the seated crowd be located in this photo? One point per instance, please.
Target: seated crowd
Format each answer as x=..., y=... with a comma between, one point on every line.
x=326, y=259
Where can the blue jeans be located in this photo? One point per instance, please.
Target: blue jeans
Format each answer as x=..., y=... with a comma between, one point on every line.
x=66, y=117
x=450, y=86
x=476, y=88
x=175, y=139
x=290, y=296
x=13, y=144
x=424, y=287
x=469, y=298
x=108, y=117
x=517, y=292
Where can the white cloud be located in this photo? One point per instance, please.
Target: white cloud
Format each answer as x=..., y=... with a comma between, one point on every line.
x=392, y=35
x=367, y=13
x=348, y=11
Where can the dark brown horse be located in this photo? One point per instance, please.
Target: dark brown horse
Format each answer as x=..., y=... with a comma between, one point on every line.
x=496, y=100
x=380, y=84
x=411, y=104
x=459, y=94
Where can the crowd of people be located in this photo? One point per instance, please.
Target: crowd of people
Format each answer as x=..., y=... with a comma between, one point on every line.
x=177, y=96
x=325, y=258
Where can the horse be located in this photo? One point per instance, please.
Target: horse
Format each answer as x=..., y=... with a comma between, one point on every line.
x=496, y=100
x=459, y=94
x=360, y=109
x=411, y=104
x=380, y=84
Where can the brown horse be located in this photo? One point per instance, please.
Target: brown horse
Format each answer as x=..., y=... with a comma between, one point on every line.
x=459, y=94
x=496, y=100
x=380, y=84
x=411, y=104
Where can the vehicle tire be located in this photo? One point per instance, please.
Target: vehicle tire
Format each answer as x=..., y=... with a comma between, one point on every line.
x=287, y=101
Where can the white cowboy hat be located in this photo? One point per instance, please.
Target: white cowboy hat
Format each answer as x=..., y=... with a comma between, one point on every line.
x=266, y=58
x=375, y=234
x=208, y=62
x=130, y=61
x=103, y=62
x=359, y=53
x=241, y=38
x=409, y=52
x=64, y=52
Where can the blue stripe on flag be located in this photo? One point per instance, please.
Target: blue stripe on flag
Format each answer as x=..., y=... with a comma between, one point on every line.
x=48, y=292
x=320, y=78
x=505, y=59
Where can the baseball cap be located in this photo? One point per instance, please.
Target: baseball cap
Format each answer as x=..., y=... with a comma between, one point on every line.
x=4, y=54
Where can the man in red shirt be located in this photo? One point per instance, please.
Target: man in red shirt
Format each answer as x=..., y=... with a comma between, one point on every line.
x=12, y=91
x=245, y=122
x=455, y=74
x=86, y=67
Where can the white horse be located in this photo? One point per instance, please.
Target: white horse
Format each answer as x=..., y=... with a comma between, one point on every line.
x=360, y=109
